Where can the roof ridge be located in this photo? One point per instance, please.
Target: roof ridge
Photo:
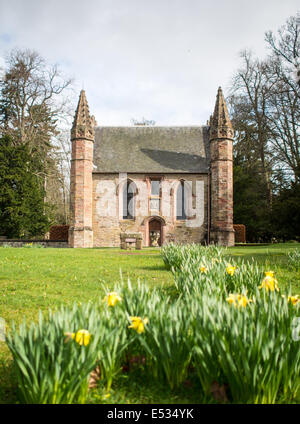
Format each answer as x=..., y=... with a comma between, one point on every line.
x=152, y=127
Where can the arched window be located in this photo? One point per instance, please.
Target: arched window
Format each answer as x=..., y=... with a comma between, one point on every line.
x=181, y=201
x=129, y=192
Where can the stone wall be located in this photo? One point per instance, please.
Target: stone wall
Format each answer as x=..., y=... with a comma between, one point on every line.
x=108, y=222
x=44, y=243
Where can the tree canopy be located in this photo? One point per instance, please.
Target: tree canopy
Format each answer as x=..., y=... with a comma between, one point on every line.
x=22, y=208
x=265, y=109
x=33, y=104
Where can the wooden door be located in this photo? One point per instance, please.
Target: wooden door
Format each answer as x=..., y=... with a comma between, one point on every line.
x=154, y=228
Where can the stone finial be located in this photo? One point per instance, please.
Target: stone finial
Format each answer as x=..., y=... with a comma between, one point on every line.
x=220, y=124
x=83, y=124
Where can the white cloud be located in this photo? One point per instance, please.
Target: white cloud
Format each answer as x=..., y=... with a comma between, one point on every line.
x=160, y=59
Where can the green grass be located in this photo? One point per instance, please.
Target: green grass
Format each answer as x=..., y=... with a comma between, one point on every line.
x=141, y=391
x=33, y=279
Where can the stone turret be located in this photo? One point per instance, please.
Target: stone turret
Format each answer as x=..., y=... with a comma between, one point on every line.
x=221, y=140
x=82, y=137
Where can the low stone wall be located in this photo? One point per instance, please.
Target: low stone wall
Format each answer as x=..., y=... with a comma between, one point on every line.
x=44, y=243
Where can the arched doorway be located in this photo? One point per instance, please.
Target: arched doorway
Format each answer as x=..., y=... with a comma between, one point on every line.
x=153, y=223
x=155, y=232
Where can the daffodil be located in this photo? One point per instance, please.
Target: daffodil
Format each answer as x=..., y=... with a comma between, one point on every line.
x=112, y=298
x=269, y=282
x=138, y=324
x=293, y=299
x=238, y=300
x=82, y=337
x=230, y=269
x=203, y=269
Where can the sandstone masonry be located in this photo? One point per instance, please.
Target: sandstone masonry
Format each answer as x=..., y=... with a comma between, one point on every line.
x=130, y=180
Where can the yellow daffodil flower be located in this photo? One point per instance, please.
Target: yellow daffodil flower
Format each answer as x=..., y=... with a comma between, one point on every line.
x=238, y=300
x=269, y=282
x=294, y=299
x=112, y=298
x=230, y=269
x=203, y=269
x=82, y=337
x=231, y=299
x=138, y=324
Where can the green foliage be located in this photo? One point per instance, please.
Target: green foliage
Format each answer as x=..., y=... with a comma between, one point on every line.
x=22, y=209
x=250, y=206
x=286, y=213
x=194, y=336
x=175, y=255
x=265, y=106
x=50, y=368
x=237, y=345
x=215, y=280
x=250, y=349
x=294, y=259
x=32, y=105
x=166, y=343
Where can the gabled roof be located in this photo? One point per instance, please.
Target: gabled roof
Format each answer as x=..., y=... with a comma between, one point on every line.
x=145, y=149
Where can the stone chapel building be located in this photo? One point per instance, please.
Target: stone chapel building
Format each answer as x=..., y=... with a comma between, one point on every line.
x=161, y=183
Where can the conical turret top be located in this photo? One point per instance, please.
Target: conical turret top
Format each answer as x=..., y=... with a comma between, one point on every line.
x=220, y=124
x=84, y=123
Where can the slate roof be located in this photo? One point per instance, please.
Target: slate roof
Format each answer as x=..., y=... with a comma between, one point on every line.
x=145, y=149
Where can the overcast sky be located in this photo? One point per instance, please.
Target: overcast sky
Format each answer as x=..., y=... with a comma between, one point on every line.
x=159, y=59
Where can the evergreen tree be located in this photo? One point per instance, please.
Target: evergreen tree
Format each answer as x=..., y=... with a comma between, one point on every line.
x=250, y=206
x=22, y=208
x=33, y=104
x=286, y=213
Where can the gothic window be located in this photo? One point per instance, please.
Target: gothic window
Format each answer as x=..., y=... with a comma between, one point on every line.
x=181, y=202
x=129, y=191
x=155, y=197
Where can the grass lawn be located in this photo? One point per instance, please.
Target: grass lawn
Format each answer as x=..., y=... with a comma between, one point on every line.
x=33, y=279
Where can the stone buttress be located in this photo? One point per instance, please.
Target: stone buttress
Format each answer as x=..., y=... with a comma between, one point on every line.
x=221, y=140
x=81, y=188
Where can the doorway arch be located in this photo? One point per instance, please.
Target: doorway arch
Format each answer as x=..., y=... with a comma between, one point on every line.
x=154, y=224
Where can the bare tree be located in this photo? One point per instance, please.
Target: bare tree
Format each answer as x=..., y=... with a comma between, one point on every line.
x=31, y=101
x=284, y=105
x=286, y=49
x=34, y=103
x=249, y=99
x=266, y=105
